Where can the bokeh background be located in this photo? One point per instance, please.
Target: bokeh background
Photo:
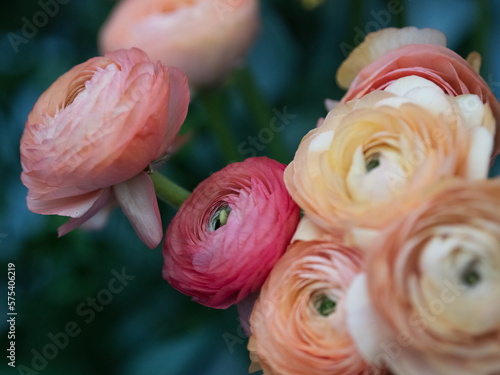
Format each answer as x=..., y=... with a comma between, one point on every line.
x=148, y=327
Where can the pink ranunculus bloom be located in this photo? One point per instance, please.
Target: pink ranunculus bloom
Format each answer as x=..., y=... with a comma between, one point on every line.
x=94, y=131
x=229, y=233
x=299, y=323
x=205, y=38
x=390, y=54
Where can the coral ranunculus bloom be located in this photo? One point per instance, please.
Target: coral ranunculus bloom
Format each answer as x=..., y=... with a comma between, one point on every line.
x=389, y=54
x=370, y=156
x=299, y=322
x=430, y=300
x=229, y=233
x=92, y=133
x=205, y=38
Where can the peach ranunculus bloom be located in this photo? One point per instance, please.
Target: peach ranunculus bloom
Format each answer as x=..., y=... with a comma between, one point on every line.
x=370, y=156
x=94, y=131
x=205, y=38
x=389, y=54
x=229, y=233
x=299, y=322
x=430, y=300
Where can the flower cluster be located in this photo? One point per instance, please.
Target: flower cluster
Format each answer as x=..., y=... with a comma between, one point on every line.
x=394, y=267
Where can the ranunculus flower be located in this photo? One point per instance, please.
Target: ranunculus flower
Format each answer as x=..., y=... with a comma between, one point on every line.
x=389, y=54
x=299, y=322
x=365, y=163
x=229, y=233
x=92, y=133
x=205, y=38
x=430, y=301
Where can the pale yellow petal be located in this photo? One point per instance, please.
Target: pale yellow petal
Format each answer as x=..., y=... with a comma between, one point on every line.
x=478, y=160
x=308, y=230
x=474, y=59
x=472, y=109
x=379, y=43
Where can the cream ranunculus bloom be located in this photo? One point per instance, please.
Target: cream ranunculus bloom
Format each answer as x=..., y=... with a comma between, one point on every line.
x=373, y=154
x=430, y=300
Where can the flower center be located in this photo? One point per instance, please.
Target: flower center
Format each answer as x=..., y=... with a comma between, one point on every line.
x=219, y=218
x=78, y=84
x=471, y=276
x=372, y=162
x=325, y=306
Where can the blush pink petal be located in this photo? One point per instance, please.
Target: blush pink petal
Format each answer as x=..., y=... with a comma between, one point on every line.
x=51, y=100
x=178, y=107
x=75, y=222
x=137, y=144
x=100, y=219
x=75, y=206
x=137, y=200
x=204, y=38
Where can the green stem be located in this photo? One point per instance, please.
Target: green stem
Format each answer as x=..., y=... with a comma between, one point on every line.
x=483, y=24
x=168, y=191
x=261, y=112
x=356, y=17
x=215, y=105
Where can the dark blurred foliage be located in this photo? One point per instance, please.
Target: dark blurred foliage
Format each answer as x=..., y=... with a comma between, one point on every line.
x=148, y=327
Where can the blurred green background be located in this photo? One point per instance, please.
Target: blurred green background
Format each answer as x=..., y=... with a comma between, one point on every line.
x=148, y=327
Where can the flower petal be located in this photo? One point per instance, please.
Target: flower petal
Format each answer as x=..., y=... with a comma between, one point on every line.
x=479, y=154
x=75, y=222
x=474, y=59
x=403, y=85
x=245, y=307
x=308, y=230
x=137, y=200
x=177, y=106
x=362, y=321
x=75, y=206
x=379, y=43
